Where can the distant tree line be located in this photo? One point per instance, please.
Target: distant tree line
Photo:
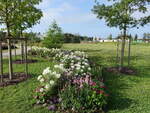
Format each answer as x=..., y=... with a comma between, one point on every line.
x=75, y=38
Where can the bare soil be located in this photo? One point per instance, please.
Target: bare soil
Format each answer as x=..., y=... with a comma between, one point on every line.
x=124, y=70
x=17, y=78
x=23, y=61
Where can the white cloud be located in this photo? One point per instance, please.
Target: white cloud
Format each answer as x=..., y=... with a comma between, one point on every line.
x=66, y=13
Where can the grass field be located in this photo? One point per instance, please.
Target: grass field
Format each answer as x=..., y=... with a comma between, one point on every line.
x=19, y=98
x=128, y=94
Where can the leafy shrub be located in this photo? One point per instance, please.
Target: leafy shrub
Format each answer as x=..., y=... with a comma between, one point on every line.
x=91, y=96
x=54, y=37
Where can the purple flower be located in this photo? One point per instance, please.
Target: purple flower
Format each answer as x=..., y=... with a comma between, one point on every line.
x=52, y=107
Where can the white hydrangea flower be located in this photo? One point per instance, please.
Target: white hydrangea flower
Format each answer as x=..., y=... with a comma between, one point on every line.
x=47, y=86
x=51, y=82
x=55, y=66
x=83, y=66
x=72, y=67
x=41, y=89
x=39, y=77
x=81, y=70
x=58, y=75
x=78, y=68
x=42, y=80
x=46, y=71
x=89, y=69
x=54, y=73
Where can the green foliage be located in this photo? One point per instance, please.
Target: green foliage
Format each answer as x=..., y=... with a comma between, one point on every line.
x=116, y=15
x=54, y=37
x=32, y=38
x=71, y=38
x=19, y=15
x=82, y=99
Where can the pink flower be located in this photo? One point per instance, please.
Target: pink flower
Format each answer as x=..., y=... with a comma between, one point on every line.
x=100, y=92
x=87, y=80
x=102, y=86
x=81, y=85
x=93, y=83
x=106, y=95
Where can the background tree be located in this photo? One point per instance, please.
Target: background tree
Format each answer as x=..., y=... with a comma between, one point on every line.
x=34, y=38
x=146, y=36
x=54, y=36
x=118, y=14
x=136, y=37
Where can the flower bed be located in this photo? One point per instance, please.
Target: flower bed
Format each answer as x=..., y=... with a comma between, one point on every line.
x=71, y=85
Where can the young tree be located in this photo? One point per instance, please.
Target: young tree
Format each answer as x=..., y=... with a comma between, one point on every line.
x=136, y=37
x=14, y=13
x=54, y=36
x=118, y=14
x=7, y=11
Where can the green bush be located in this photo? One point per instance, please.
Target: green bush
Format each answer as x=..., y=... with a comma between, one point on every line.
x=54, y=37
x=88, y=98
x=53, y=42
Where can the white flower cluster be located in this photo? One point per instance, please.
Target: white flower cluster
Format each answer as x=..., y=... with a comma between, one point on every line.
x=49, y=76
x=45, y=52
x=76, y=63
x=72, y=63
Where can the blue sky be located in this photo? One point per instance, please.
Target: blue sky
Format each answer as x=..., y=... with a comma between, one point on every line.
x=75, y=16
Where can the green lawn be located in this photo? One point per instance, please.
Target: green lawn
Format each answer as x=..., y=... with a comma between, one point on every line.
x=19, y=98
x=128, y=94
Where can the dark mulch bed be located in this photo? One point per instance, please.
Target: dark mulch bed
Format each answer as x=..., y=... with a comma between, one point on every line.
x=17, y=78
x=124, y=70
x=5, y=46
x=23, y=61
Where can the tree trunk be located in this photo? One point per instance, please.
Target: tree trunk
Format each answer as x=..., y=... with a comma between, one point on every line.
x=15, y=54
x=9, y=41
x=129, y=52
x=1, y=61
x=10, y=59
x=122, y=49
x=22, y=47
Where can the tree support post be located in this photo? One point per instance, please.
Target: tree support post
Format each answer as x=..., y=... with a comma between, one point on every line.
x=1, y=61
x=117, y=57
x=26, y=64
x=129, y=51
